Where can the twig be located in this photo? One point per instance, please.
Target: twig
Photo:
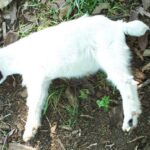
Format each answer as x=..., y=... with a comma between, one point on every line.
x=61, y=144
x=49, y=125
x=91, y=145
x=2, y=118
x=52, y=136
x=65, y=127
x=136, y=147
x=145, y=83
x=109, y=145
x=137, y=138
x=146, y=67
x=4, y=29
x=87, y=116
x=5, y=142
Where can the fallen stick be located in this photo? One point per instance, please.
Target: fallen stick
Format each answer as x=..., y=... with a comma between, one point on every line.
x=137, y=138
x=145, y=83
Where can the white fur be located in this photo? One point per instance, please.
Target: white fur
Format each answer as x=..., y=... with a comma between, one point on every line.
x=74, y=49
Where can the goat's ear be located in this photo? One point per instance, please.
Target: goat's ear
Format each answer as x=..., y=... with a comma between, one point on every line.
x=1, y=75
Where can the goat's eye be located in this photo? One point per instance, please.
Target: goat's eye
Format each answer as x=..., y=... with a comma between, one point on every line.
x=130, y=122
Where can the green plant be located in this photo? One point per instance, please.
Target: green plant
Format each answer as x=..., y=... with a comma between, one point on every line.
x=83, y=94
x=102, y=81
x=81, y=6
x=26, y=29
x=53, y=98
x=118, y=9
x=101, y=75
x=104, y=103
x=72, y=114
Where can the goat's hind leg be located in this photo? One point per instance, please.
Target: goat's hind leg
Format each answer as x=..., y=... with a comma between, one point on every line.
x=118, y=73
x=131, y=104
x=37, y=94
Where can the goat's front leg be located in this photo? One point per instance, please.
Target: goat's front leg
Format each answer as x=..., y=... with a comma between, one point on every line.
x=37, y=94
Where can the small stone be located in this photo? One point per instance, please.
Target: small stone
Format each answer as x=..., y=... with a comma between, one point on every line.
x=23, y=93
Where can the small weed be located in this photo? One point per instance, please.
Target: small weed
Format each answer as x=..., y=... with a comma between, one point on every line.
x=34, y=3
x=114, y=89
x=83, y=94
x=72, y=113
x=101, y=75
x=104, y=103
x=26, y=29
x=102, y=81
x=118, y=8
x=53, y=98
x=81, y=6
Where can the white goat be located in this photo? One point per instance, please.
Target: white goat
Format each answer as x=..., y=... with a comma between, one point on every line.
x=74, y=49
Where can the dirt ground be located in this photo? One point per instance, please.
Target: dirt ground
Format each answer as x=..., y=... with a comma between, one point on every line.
x=91, y=127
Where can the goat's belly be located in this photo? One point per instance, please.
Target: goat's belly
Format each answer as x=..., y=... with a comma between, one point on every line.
x=78, y=70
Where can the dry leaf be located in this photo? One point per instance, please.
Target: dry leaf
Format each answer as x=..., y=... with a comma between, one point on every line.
x=146, y=4
x=53, y=128
x=71, y=97
x=10, y=14
x=4, y=3
x=63, y=11
x=10, y=37
x=139, y=75
x=13, y=12
x=30, y=18
x=17, y=146
x=139, y=54
x=43, y=1
x=134, y=15
x=61, y=6
x=23, y=93
x=60, y=3
x=143, y=41
x=101, y=7
x=142, y=12
x=146, y=53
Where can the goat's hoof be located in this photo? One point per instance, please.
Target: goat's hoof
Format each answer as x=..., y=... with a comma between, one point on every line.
x=29, y=133
x=131, y=122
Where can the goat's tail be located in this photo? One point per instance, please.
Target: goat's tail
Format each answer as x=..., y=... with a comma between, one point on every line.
x=135, y=28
